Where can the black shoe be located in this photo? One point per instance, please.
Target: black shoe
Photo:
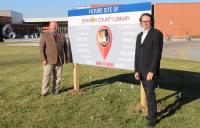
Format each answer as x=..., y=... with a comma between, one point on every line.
x=147, y=118
x=43, y=95
x=151, y=125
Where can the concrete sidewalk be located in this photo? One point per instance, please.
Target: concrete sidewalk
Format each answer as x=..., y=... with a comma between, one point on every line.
x=33, y=40
x=22, y=42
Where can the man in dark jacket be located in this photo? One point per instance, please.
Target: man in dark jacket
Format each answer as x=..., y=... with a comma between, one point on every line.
x=148, y=54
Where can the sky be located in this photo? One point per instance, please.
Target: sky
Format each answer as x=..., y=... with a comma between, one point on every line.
x=59, y=8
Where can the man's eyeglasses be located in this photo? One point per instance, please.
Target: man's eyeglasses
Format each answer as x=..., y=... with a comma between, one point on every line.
x=145, y=21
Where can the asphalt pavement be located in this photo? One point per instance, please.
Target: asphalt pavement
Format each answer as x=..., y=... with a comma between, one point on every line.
x=182, y=49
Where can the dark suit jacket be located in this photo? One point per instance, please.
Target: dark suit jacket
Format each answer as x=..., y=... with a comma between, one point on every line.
x=52, y=50
x=148, y=54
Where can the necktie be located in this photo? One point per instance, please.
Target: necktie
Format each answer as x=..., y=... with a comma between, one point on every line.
x=55, y=36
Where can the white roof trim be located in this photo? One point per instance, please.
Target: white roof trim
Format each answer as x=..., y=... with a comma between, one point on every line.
x=27, y=20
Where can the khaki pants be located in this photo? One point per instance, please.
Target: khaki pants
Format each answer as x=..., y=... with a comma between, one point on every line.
x=47, y=71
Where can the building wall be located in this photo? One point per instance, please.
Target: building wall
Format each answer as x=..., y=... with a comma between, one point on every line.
x=102, y=5
x=5, y=20
x=6, y=13
x=26, y=29
x=178, y=19
x=62, y=27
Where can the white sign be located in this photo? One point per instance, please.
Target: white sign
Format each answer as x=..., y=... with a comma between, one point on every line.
x=106, y=36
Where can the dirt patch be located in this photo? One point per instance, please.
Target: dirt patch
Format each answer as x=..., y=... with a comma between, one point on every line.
x=137, y=109
x=73, y=92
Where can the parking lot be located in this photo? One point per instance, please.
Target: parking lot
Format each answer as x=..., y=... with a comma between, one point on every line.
x=182, y=49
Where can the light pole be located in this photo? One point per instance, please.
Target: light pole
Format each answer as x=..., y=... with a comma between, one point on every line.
x=170, y=28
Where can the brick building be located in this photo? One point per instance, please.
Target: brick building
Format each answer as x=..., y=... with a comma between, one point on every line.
x=178, y=20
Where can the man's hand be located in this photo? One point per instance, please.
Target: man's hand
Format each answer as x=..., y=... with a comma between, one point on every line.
x=137, y=76
x=44, y=62
x=150, y=76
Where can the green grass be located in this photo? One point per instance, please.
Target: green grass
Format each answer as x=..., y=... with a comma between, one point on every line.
x=107, y=100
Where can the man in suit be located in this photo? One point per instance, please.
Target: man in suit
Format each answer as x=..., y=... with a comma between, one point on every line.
x=53, y=51
x=149, y=44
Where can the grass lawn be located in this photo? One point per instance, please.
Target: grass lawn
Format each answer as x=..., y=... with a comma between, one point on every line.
x=107, y=98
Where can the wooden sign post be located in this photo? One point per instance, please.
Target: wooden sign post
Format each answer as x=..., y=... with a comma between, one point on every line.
x=76, y=77
x=143, y=98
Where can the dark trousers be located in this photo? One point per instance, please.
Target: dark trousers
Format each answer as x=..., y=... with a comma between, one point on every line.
x=149, y=88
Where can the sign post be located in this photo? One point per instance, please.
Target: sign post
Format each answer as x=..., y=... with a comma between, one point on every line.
x=76, y=77
x=143, y=100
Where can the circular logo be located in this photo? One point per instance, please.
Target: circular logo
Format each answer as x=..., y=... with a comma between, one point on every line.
x=104, y=36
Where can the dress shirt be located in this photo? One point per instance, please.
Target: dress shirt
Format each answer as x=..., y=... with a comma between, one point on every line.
x=145, y=32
